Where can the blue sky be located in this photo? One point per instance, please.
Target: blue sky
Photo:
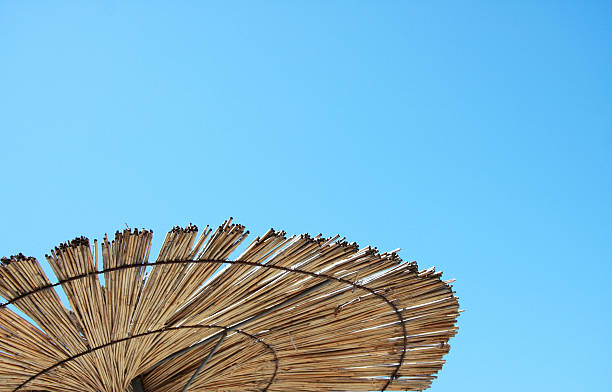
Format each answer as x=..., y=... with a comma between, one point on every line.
x=476, y=136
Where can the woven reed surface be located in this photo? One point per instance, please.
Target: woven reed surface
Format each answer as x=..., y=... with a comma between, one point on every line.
x=376, y=324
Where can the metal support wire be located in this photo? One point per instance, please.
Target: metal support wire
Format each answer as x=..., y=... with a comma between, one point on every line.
x=224, y=333
x=137, y=385
x=210, y=354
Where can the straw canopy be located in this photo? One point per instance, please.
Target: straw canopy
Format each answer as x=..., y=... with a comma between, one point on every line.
x=295, y=313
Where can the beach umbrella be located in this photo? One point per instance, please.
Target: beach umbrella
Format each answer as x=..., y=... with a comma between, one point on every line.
x=210, y=313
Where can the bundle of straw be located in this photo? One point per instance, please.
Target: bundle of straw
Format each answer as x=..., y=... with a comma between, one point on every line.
x=295, y=313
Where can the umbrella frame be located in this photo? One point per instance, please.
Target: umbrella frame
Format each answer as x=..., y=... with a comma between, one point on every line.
x=137, y=382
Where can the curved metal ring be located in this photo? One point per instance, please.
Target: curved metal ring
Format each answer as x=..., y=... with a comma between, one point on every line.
x=158, y=331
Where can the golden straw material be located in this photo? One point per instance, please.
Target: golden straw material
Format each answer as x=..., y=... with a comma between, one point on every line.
x=295, y=313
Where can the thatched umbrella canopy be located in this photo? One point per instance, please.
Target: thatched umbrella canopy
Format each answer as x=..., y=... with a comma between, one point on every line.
x=295, y=313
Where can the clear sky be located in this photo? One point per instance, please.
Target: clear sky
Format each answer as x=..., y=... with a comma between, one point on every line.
x=476, y=136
